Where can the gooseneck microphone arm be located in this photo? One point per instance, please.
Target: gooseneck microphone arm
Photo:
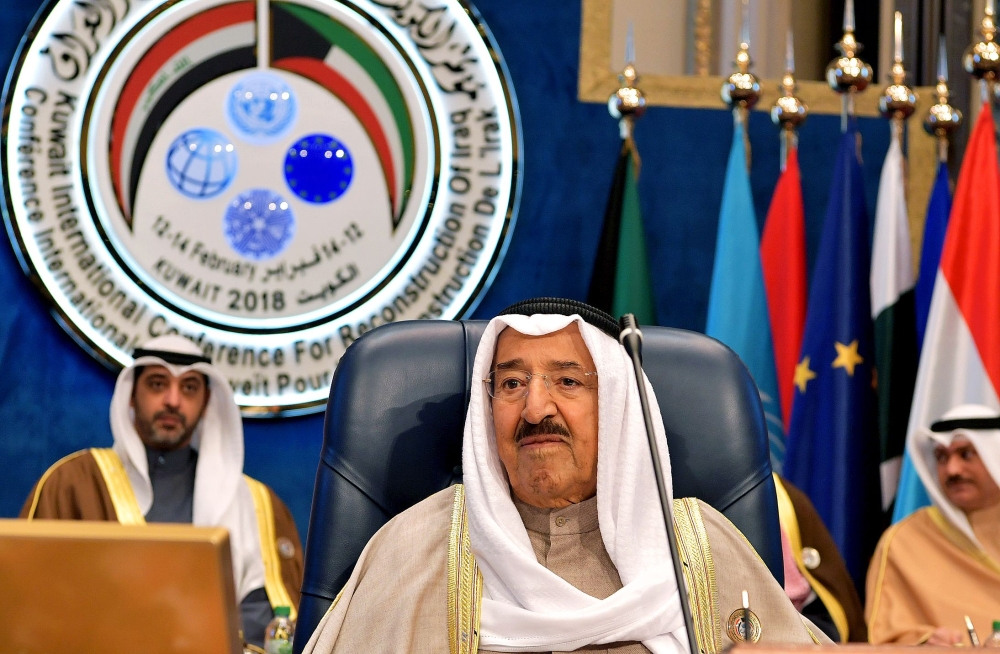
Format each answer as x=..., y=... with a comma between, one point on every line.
x=631, y=338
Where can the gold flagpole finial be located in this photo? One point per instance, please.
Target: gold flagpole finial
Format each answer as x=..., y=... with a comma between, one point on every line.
x=942, y=119
x=848, y=74
x=788, y=111
x=628, y=102
x=741, y=90
x=982, y=59
x=898, y=102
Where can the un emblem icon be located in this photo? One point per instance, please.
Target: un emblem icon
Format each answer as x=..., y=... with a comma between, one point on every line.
x=201, y=163
x=261, y=107
x=259, y=224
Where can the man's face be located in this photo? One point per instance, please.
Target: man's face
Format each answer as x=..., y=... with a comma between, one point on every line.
x=548, y=440
x=167, y=408
x=964, y=478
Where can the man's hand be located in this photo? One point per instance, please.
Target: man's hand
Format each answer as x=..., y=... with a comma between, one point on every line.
x=945, y=637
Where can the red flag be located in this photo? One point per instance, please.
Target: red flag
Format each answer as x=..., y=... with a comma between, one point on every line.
x=783, y=257
x=969, y=259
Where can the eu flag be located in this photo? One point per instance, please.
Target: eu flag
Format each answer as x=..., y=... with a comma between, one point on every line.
x=833, y=444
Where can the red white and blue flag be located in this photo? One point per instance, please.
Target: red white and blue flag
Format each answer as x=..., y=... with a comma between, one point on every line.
x=960, y=359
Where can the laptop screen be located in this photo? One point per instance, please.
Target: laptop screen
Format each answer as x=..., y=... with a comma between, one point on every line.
x=69, y=585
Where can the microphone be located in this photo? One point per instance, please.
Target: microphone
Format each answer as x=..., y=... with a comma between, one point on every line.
x=631, y=338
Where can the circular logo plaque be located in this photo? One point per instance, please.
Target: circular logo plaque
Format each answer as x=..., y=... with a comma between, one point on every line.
x=269, y=179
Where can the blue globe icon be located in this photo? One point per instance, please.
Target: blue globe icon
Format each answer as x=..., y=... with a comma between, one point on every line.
x=318, y=168
x=259, y=224
x=201, y=163
x=261, y=107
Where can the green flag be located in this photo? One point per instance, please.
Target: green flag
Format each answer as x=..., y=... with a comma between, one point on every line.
x=620, y=281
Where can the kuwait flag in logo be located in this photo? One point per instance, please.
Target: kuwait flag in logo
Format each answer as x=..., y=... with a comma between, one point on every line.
x=323, y=50
x=960, y=360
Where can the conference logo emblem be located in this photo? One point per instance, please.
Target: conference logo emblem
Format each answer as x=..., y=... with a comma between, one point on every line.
x=271, y=179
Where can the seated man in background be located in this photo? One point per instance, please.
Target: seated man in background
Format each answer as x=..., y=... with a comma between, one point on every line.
x=178, y=457
x=556, y=541
x=816, y=577
x=943, y=562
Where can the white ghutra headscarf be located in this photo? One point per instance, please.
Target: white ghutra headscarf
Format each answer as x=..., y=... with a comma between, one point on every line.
x=528, y=608
x=221, y=497
x=924, y=440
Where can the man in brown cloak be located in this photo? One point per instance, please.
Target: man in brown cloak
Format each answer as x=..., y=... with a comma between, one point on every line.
x=943, y=562
x=178, y=457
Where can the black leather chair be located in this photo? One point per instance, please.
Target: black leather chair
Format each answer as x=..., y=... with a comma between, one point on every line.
x=393, y=436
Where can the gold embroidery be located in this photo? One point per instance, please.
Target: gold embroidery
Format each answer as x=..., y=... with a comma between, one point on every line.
x=119, y=487
x=815, y=638
x=465, y=583
x=699, y=573
x=45, y=477
x=274, y=586
x=961, y=540
x=786, y=513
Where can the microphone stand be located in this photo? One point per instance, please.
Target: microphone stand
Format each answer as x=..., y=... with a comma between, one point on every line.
x=631, y=338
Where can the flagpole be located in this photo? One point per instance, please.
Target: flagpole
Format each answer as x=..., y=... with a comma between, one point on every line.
x=942, y=119
x=741, y=90
x=898, y=102
x=848, y=74
x=788, y=111
x=628, y=103
x=982, y=59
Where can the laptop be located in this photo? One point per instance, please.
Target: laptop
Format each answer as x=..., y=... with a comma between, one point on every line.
x=75, y=586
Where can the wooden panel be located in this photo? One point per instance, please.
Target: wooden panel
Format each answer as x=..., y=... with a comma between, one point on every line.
x=75, y=586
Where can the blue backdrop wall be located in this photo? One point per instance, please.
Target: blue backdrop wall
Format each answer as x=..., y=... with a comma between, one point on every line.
x=54, y=398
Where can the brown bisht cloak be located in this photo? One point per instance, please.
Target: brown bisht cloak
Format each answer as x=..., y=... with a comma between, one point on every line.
x=927, y=574
x=829, y=578
x=93, y=485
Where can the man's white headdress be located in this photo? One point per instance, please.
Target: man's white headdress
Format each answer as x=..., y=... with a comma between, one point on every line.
x=980, y=425
x=525, y=606
x=221, y=497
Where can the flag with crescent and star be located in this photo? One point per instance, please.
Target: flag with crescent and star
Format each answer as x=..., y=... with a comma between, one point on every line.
x=833, y=442
x=893, y=311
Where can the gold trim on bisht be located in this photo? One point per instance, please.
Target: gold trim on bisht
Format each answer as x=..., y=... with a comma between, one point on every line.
x=465, y=583
x=119, y=487
x=45, y=477
x=699, y=573
x=790, y=523
x=274, y=586
x=961, y=540
x=885, y=543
